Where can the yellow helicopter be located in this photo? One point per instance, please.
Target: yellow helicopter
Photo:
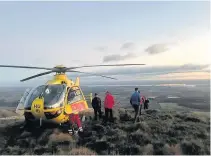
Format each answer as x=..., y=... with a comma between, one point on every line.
x=54, y=100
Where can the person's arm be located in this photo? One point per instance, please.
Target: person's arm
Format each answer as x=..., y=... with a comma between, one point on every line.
x=131, y=100
x=93, y=101
x=139, y=99
x=113, y=101
x=105, y=101
x=99, y=102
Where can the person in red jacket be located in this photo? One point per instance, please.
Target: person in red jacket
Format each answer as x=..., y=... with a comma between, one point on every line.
x=108, y=105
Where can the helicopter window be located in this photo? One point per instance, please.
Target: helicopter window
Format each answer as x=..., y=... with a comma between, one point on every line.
x=20, y=105
x=50, y=93
x=23, y=99
x=74, y=96
x=33, y=95
x=53, y=93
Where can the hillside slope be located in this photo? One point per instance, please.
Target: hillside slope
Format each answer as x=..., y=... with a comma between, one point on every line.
x=157, y=132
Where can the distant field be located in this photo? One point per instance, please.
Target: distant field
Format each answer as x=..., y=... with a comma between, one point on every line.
x=171, y=106
x=196, y=98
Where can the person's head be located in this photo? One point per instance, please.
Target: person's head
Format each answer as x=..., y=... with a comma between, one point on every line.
x=96, y=94
x=136, y=89
x=108, y=93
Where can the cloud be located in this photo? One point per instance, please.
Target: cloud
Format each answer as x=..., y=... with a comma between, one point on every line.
x=153, y=70
x=157, y=48
x=118, y=57
x=127, y=46
x=101, y=48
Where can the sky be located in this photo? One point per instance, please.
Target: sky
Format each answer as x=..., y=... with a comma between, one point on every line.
x=167, y=36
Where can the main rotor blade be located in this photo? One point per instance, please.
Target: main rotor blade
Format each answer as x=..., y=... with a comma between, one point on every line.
x=105, y=65
x=41, y=74
x=28, y=67
x=91, y=74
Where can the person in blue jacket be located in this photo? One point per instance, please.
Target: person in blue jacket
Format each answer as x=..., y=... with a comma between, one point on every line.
x=135, y=101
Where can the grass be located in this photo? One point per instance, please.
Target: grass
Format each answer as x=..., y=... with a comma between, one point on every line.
x=157, y=133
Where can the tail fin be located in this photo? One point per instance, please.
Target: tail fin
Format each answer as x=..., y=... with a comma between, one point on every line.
x=77, y=81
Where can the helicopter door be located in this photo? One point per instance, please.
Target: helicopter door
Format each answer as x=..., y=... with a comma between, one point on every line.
x=75, y=101
x=20, y=108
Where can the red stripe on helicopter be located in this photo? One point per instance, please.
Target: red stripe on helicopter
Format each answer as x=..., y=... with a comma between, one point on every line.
x=78, y=106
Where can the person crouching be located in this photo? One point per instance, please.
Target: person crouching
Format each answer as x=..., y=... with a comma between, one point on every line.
x=74, y=118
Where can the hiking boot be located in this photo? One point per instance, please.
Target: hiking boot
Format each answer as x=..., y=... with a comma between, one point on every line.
x=80, y=129
x=71, y=131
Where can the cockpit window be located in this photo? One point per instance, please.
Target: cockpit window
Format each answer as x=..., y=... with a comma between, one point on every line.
x=20, y=107
x=74, y=95
x=33, y=95
x=50, y=93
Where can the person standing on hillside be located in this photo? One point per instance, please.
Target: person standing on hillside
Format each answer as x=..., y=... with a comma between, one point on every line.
x=146, y=103
x=96, y=105
x=108, y=105
x=135, y=102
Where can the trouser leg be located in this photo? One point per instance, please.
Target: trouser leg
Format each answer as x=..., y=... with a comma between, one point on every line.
x=71, y=119
x=136, y=111
x=95, y=111
x=111, y=115
x=140, y=109
x=147, y=105
x=100, y=112
x=77, y=120
x=106, y=114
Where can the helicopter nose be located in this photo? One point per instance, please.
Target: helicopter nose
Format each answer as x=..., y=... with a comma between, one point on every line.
x=37, y=107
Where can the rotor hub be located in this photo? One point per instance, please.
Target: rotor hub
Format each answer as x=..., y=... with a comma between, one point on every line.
x=59, y=69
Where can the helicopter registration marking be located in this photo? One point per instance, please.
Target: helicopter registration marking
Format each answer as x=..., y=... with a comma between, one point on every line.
x=36, y=106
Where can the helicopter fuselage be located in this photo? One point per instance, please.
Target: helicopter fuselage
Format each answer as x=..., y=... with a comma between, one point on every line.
x=54, y=101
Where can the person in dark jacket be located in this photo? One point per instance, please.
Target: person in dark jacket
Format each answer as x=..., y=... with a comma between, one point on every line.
x=146, y=104
x=96, y=104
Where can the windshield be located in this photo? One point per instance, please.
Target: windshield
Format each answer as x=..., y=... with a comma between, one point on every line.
x=33, y=95
x=20, y=107
x=74, y=95
x=50, y=93
x=24, y=97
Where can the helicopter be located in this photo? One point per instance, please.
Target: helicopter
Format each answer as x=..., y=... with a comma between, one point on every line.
x=58, y=97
